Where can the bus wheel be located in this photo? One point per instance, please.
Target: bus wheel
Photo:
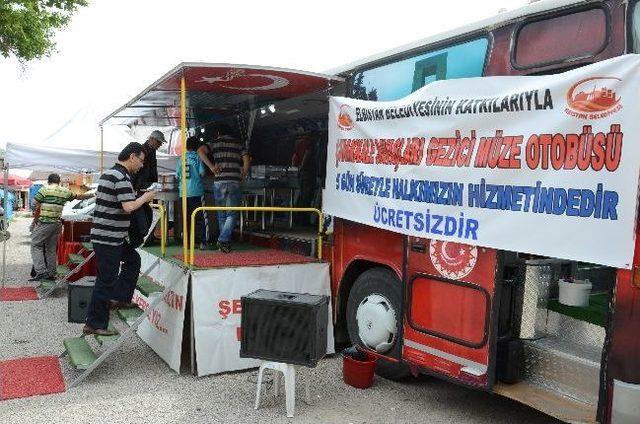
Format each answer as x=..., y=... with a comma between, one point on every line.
x=374, y=318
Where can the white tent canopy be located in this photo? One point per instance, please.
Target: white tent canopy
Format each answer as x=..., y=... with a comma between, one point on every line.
x=54, y=158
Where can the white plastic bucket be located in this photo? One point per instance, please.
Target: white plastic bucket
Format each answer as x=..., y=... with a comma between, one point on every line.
x=574, y=293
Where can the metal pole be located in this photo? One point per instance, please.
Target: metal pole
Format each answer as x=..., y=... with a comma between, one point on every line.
x=6, y=224
x=101, y=149
x=183, y=182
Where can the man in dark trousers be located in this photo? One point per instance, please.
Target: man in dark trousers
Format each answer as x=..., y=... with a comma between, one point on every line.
x=115, y=201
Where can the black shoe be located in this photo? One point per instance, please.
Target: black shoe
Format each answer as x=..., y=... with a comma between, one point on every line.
x=41, y=277
x=224, y=247
x=86, y=330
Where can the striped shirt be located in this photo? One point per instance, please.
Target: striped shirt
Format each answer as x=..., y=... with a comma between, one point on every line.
x=227, y=152
x=52, y=198
x=110, y=222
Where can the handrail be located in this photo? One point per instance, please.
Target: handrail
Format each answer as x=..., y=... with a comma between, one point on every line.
x=192, y=237
x=163, y=226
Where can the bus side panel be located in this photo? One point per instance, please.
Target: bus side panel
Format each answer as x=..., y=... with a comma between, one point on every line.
x=624, y=359
x=353, y=241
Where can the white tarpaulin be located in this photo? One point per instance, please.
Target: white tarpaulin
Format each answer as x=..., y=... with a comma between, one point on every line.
x=54, y=158
x=216, y=308
x=162, y=330
x=541, y=164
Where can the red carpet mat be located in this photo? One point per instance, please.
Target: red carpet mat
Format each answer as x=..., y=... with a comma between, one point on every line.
x=26, y=377
x=18, y=293
x=246, y=258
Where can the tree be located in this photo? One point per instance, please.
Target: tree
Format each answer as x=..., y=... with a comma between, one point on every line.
x=27, y=26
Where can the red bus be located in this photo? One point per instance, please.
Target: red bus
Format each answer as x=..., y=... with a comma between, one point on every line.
x=500, y=327
x=476, y=316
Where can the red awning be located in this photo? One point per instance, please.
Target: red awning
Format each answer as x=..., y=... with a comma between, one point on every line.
x=215, y=91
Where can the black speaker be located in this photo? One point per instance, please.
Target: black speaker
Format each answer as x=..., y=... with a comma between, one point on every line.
x=79, y=298
x=284, y=327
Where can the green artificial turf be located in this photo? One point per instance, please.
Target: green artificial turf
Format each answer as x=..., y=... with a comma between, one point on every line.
x=595, y=313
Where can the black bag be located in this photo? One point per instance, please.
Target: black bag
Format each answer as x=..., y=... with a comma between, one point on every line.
x=139, y=227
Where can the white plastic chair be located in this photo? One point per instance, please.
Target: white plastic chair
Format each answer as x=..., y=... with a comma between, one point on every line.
x=289, y=372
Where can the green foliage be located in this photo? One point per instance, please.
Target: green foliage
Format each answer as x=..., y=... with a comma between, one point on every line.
x=27, y=26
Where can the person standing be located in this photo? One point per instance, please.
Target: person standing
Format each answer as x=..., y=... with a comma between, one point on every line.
x=148, y=174
x=303, y=158
x=195, y=189
x=228, y=160
x=115, y=201
x=47, y=225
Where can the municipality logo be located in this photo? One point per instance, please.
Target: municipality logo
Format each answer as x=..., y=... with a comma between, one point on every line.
x=345, y=122
x=593, y=98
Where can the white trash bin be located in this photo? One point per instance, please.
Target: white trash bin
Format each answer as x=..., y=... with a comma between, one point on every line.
x=574, y=293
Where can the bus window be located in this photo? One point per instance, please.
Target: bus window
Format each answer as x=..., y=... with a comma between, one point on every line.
x=430, y=69
x=636, y=28
x=553, y=40
x=398, y=79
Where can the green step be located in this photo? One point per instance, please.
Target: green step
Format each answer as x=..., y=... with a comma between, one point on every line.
x=107, y=339
x=76, y=258
x=87, y=246
x=147, y=286
x=80, y=353
x=62, y=270
x=129, y=315
x=47, y=284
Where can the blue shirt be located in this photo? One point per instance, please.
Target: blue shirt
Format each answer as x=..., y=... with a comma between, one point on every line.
x=194, y=168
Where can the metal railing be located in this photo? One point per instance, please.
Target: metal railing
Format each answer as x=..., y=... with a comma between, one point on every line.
x=163, y=226
x=192, y=237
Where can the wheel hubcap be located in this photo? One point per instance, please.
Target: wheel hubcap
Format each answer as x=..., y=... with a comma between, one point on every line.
x=376, y=322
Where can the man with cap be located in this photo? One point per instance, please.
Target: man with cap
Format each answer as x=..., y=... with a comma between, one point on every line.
x=147, y=175
x=149, y=172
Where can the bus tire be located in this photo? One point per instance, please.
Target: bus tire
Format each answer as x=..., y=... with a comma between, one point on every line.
x=374, y=319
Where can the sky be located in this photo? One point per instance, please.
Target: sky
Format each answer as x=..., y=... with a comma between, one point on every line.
x=113, y=49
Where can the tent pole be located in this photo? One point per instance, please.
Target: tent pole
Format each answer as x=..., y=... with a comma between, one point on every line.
x=5, y=223
x=183, y=159
x=101, y=149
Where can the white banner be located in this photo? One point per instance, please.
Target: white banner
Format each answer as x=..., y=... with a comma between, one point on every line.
x=162, y=330
x=216, y=308
x=546, y=165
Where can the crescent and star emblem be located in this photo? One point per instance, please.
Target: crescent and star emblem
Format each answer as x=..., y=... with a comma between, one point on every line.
x=276, y=81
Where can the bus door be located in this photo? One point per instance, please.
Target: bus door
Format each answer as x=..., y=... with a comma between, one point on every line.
x=449, y=298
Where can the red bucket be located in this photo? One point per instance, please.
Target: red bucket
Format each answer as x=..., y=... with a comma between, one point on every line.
x=358, y=373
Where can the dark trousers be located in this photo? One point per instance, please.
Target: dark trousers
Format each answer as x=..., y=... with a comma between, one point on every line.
x=112, y=282
x=306, y=181
x=200, y=230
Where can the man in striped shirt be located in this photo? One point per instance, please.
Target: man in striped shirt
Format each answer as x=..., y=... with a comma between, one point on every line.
x=115, y=201
x=46, y=226
x=228, y=160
